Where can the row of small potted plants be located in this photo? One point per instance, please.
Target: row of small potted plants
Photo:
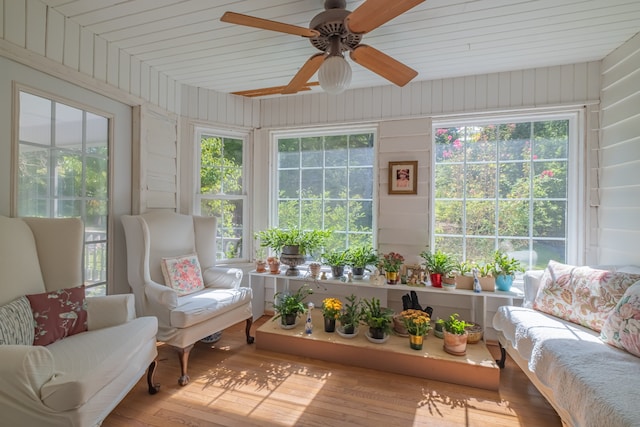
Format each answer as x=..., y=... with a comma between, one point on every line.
x=442, y=267
x=289, y=306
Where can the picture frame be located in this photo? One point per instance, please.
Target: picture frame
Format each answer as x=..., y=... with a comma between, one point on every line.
x=403, y=177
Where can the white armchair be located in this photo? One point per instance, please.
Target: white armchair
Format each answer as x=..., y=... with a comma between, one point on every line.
x=183, y=319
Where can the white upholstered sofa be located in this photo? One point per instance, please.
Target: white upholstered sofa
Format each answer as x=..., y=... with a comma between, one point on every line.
x=589, y=382
x=184, y=318
x=78, y=379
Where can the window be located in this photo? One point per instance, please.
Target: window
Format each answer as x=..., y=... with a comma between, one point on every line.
x=221, y=190
x=326, y=181
x=63, y=171
x=505, y=185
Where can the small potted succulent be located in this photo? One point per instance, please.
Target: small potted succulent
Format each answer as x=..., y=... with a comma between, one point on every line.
x=379, y=319
x=350, y=316
x=455, y=335
x=290, y=305
x=359, y=258
x=336, y=259
x=439, y=265
x=504, y=269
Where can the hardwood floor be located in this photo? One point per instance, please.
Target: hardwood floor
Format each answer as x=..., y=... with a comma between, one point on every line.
x=233, y=384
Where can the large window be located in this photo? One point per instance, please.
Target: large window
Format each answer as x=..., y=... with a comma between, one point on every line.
x=221, y=191
x=326, y=181
x=63, y=171
x=505, y=185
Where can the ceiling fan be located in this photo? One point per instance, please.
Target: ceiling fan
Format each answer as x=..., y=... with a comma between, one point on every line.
x=334, y=31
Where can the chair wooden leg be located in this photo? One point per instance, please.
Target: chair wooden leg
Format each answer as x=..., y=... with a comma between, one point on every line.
x=183, y=354
x=503, y=356
x=153, y=387
x=250, y=339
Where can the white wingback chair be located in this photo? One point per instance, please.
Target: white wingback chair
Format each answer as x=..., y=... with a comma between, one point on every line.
x=183, y=320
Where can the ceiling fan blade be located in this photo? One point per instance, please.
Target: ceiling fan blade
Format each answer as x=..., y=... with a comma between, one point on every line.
x=275, y=90
x=382, y=64
x=373, y=13
x=304, y=74
x=266, y=24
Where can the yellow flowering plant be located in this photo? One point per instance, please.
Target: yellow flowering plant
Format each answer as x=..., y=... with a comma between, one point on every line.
x=331, y=308
x=417, y=322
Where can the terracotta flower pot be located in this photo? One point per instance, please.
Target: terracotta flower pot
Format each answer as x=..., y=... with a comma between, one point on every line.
x=455, y=344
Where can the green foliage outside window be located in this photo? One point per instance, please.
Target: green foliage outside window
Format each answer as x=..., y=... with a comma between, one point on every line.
x=326, y=182
x=502, y=186
x=221, y=190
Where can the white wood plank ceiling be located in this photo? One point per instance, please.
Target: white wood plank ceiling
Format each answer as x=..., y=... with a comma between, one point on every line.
x=186, y=40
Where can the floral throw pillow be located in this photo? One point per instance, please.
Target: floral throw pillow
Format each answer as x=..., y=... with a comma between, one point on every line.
x=183, y=274
x=622, y=327
x=58, y=314
x=582, y=295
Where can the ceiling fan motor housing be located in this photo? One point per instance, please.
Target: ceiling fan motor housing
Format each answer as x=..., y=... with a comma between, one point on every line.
x=330, y=24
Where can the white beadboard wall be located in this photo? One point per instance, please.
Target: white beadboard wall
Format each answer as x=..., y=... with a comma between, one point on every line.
x=155, y=163
x=619, y=157
x=551, y=86
x=67, y=51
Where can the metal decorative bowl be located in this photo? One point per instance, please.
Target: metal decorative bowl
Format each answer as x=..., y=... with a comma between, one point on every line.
x=475, y=332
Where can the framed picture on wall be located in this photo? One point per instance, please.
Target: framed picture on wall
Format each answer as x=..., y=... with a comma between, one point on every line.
x=403, y=177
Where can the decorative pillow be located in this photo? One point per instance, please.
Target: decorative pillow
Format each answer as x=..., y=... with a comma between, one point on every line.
x=16, y=323
x=183, y=274
x=582, y=295
x=622, y=327
x=58, y=314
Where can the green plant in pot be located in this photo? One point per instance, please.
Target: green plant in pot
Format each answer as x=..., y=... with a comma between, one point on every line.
x=336, y=259
x=293, y=245
x=350, y=315
x=359, y=258
x=289, y=305
x=439, y=265
x=455, y=335
x=379, y=319
x=504, y=269
x=463, y=275
x=306, y=242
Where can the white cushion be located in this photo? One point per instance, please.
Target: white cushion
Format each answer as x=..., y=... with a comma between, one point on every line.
x=86, y=361
x=202, y=305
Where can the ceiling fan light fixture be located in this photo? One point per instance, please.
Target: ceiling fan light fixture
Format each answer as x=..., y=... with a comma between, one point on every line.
x=334, y=74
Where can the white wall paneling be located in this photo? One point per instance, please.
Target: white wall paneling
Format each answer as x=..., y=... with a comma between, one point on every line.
x=567, y=84
x=45, y=32
x=155, y=160
x=619, y=157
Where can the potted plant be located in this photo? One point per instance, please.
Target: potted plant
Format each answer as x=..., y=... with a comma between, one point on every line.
x=378, y=318
x=463, y=277
x=391, y=264
x=350, y=316
x=296, y=241
x=330, y=311
x=418, y=324
x=288, y=306
x=485, y=276
x=336, y=259
x=359, y=258
x=504, y=269
x=438, y=330
x=261, y=262
x=455, y=335
x=439, y=265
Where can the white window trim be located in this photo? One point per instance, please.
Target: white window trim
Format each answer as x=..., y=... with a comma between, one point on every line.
x=577, y=167
x=245, y=136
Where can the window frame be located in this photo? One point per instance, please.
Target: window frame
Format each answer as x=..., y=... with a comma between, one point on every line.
x=275, y=135
x=108, y=240
x=245, y=136
x=577, y=168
